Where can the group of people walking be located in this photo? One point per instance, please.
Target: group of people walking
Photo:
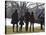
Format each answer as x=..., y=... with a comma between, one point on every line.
x=26, y=18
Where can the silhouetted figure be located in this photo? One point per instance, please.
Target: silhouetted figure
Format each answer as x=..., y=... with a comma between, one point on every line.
x=41, y=18
x=15, y=20
x=26, y=18
x=21, y=23
x=32, y=20
x=41, y=21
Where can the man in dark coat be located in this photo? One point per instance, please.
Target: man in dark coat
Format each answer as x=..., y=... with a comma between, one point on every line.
x=21, y=23
x=26, y=18
x=41, y=19
x=32, y=20
x=15, y=20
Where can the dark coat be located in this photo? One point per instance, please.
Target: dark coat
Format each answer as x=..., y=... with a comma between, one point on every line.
x=21, y=21
x=32, y=19
x=26, y=17
x=14, y=18
x=41, y=19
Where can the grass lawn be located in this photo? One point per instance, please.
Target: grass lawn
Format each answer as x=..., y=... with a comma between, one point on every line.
x=10, y=30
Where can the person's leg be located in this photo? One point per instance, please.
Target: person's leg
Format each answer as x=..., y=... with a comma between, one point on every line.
x=33, y=27
x=27, y=26
x=41, y=26
x=5, y=29
x=30, y=27
x=17, y=27
x=20, y=28
x=13, y=27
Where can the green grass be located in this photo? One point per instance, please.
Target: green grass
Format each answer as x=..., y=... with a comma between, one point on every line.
x=10, y=30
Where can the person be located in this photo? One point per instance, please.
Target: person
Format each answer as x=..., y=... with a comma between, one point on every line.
x=41, y=21
x=41, y=18
x=15, y=20
x=21, y=23
x=26, y=18
x=32, y=20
